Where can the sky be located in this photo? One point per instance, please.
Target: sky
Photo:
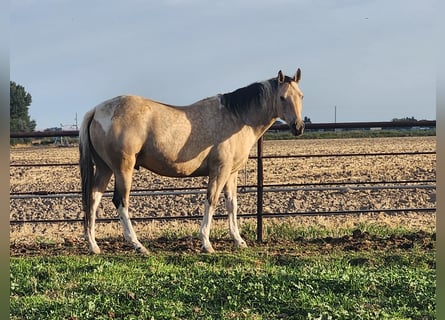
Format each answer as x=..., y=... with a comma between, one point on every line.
x=370, y=60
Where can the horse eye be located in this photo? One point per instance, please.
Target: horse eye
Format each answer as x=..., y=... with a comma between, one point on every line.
x=282, y=98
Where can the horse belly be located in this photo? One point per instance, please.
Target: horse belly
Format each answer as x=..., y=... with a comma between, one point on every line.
x=171, y=168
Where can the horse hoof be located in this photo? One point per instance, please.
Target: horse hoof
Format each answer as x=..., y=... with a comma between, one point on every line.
x=207, y=249
x=94, y=250
x=241, y=245
x=142, y=250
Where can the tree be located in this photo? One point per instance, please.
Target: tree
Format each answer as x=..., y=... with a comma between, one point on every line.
x=307, y=120
x=19, y=102
x=405, y=119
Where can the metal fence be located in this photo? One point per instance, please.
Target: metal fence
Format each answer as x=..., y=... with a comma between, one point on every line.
x=260, y=188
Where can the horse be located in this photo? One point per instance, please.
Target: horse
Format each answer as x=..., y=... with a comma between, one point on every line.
x=211, y=137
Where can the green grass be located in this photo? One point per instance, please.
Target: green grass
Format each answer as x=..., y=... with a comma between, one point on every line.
x=284, y=278
x=251, y=284
x=289, y=229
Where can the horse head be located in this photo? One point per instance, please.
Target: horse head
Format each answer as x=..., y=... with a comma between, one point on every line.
x=290, y=101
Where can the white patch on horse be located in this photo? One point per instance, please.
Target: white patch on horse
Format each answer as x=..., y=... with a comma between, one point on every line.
x=129, y=233
x=104, y=114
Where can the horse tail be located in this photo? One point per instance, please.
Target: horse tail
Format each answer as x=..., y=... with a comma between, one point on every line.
x=86, y=163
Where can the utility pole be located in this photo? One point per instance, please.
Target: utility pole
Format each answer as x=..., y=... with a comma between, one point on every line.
x=335, y=113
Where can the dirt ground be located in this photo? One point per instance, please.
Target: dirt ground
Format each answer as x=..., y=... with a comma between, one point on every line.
x=357, y=241
x=306, y=170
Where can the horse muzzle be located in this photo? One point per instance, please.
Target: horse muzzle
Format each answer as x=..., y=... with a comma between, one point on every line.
x=297, y=128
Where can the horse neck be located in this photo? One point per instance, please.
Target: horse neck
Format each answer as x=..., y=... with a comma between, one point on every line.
x=262, y=116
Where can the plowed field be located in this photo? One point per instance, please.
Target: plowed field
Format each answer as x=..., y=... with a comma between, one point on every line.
x=306, y=170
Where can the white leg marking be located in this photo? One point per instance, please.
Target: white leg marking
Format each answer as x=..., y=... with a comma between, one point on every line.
x=204, y=231
x=232, y=208
x=129, y=233
x=91, y=233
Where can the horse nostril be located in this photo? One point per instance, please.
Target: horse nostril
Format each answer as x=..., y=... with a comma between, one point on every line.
x=297, y=128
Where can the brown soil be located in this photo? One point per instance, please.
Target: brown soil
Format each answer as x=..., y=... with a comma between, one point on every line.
x=288, y=170
x=357, y=241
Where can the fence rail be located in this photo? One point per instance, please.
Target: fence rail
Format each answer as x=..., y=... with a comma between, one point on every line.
x=279, y=127
x=259, y=188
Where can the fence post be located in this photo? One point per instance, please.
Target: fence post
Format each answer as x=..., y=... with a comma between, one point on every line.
x=260, y=181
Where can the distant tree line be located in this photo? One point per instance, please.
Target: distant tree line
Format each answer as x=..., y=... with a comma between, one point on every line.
x=19, y=102
x=406, y=119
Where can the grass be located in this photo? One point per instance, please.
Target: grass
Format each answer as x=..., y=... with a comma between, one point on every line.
x=273, y=281
x=252, y=284
x=307, y=227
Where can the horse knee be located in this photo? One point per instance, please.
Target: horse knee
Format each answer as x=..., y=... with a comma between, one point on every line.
x=212, y=200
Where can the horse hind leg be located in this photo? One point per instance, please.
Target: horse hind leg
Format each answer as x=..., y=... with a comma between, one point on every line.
x=101, y=179
x=121, y=200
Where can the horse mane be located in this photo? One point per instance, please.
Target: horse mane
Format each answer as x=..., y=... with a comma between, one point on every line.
x=241, y=100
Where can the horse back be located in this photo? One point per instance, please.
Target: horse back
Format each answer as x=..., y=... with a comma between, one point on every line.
x=168, y=140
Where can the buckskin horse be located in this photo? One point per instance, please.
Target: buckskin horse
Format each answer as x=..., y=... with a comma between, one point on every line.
x=211, y=137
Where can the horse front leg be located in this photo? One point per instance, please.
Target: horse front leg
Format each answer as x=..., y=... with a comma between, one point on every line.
x=232, y=209
x=204, y=231
x=213, y=191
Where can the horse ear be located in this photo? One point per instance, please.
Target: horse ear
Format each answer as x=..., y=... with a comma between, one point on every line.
x=280, y=77
x=297, y=76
